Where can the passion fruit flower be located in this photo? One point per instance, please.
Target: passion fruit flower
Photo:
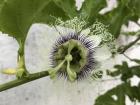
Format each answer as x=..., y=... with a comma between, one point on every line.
x=72, y=55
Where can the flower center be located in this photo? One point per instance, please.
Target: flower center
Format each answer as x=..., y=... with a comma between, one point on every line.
x=73, y=51
x=72, y=57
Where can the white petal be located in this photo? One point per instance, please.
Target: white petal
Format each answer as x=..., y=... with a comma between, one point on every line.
x=39, y=43
x=111, y=62
x=61, y=92
x=102, y=53
x=8, y=51
x=96, y=39
x=8, y=55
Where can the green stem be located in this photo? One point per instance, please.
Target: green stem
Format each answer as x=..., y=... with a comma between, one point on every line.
x=24, y=80
x=21, y=57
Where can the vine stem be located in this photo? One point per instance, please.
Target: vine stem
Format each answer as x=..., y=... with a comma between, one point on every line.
x=23, y=80
x=122, y=50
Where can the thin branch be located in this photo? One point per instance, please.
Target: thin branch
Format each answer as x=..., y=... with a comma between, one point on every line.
x=122, y=50
x=131, y=33
x=30, y=77
x=127, y=57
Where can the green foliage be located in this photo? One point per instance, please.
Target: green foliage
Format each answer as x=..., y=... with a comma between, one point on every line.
x=68, y=7
x=125, y=11
x=124, y=89
x=17, y=16
x=49, y=15
x=90, y=9
x=134, y=6
x=125, y=71
x=136, y=70
x=136, y=60
x=119, y=92
x=1, y=3
x=107, y=98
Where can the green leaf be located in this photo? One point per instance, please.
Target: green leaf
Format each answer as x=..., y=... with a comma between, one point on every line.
x=90, y=9
x=136, y=92
x=68, y=6
x=136, y=70
x=114, y=73
x=134, y=6
x=115, y=18
x=124, y=70
x=107, y=98
x=136, y=60
x=119, y=92
x=50, y=13
x=133, y=93
x=1, y=3
x=126, y=10
x=17, y=16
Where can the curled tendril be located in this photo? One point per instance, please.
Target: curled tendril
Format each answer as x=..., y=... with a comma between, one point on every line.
x=100, y=29
x=76, y=23
x=108, y=39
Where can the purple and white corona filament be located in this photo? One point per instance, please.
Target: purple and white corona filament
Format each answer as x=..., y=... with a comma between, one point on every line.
x=83, y=62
